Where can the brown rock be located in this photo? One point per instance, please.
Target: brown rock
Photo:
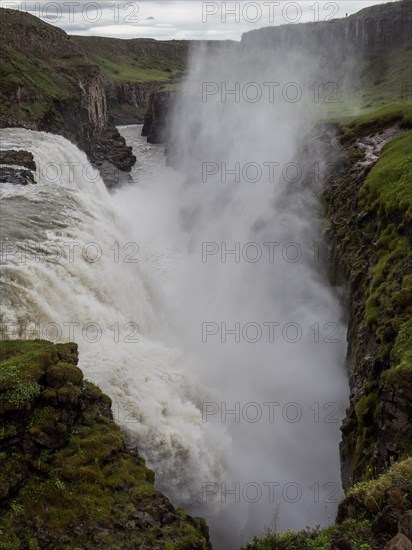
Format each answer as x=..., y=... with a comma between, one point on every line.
x=405, y=525
x=400, y=542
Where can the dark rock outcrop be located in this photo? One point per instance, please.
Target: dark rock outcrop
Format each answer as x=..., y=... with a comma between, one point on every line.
x=18, y=158
x=23, y=175
x=157, y=117
x=67, y=477
x=128, y=102
x=16, y=176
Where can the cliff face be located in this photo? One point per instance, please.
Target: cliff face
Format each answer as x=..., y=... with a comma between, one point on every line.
x=382, y=26
x=67, y=478
x=369, y=229
x=133, y=70
x=128, y=101
x=157, y=116
x=49, y=85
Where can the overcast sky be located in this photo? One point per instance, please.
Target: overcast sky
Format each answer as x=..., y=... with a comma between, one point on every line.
x=182, y=19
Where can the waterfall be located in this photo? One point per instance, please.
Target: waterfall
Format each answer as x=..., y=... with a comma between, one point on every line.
x=195, y=298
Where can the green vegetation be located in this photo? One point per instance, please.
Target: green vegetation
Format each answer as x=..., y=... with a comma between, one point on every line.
x=388, y=187
x=372, y=216
x=381, y=94
x=383, y=76
x=136, y=71
x=374, y=120
x=30, y=86
x=67, y=480
x=137, y=61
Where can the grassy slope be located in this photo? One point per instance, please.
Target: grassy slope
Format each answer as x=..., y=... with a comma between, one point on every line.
x=136, y=61
x=41, y=81
x=33, y=78
x=66, y=479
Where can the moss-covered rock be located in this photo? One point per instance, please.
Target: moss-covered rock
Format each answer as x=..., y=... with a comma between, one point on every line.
x=368, y=210
x=67, y=479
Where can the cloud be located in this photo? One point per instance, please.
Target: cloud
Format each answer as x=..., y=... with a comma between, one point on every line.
x=188, y=19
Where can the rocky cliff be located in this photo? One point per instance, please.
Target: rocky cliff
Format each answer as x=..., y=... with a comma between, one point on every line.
x=133, y=69
x=369, y=214
x=48, y=84
x=369, y=30
x=157, y=116
x=67, y=478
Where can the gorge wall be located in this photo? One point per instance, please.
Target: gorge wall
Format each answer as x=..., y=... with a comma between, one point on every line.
x=381, y=26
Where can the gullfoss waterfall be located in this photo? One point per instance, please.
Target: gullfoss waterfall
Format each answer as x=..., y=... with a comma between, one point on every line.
x=195, y=295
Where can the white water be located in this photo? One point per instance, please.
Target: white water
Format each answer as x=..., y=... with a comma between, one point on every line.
x=164, y=378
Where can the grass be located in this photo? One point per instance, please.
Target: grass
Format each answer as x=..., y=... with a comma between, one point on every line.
x=388, y=187
x=41, y=83
x=135, y=61
x=133, y=72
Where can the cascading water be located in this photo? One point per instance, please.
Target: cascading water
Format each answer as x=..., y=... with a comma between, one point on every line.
x=186, y=334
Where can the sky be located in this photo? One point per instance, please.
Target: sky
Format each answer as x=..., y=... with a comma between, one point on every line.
x=182, y=19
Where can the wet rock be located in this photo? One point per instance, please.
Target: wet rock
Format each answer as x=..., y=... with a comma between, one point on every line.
x=156, y=119
x=16, y=176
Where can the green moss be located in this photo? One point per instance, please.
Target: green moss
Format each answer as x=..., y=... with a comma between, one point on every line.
x=20, y=372
x=400, y=375
x=373, y=494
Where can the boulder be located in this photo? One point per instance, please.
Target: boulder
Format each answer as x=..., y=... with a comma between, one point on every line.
x=400, y=542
